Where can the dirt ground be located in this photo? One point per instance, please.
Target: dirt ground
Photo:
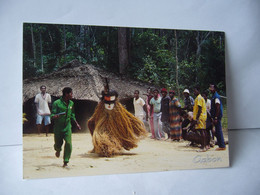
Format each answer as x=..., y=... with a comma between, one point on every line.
x=39, y=159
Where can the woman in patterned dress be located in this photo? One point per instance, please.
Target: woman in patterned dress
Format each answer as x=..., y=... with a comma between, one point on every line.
x=175, y=118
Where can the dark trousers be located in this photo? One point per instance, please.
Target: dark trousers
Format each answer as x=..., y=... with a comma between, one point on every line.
x=219, y=135
x=203, y=137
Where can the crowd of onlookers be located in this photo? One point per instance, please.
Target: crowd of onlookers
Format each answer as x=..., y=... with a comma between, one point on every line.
x=198, y=121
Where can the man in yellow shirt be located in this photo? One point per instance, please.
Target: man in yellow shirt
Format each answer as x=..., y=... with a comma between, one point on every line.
x=200, y=117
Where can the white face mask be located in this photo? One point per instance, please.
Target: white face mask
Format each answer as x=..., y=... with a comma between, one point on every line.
x=109, y=106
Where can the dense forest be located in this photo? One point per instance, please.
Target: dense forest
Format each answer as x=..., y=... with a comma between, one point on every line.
x=175, y=59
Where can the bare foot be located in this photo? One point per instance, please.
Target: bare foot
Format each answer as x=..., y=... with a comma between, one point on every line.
x=220, y=149
x=202, y=150
x=57, y=154
x=65, y=164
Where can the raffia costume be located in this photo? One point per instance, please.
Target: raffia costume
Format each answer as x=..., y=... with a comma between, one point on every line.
x=114, y=130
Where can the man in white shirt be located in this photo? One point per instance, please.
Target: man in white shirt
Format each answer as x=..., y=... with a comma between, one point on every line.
x=43, y=101
x=139, y=106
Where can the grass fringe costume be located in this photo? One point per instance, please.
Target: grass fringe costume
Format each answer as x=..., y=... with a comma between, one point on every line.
x=114, y=130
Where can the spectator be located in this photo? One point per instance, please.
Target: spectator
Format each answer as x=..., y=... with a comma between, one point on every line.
x=200, y=117
x=165, y=112
x=150, y=111
x=188, y=101
x=210, y=131
x=175, y=118
x=43, y=102
x=216, y=115
x=208, y=101
x=139, y=106
x=156, y=102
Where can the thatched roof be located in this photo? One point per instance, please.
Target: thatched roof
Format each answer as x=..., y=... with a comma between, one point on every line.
x=85, y=80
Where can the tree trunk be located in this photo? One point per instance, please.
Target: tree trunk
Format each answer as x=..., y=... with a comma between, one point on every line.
x=87, y=52
x=177, y=62
x=41, y=51
x=64, y=43
x=122, y=50
x=33, y=46
x=187, y=49
x=108, y=49
x=129, y=45
x=81, y=38
x=200, y=39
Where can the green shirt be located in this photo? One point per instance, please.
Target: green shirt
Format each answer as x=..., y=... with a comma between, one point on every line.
x=63, y=123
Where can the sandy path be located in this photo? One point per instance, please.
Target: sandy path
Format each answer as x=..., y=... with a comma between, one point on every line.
x=39, y=160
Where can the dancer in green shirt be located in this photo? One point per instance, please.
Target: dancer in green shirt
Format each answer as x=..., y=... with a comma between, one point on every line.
x=62, y=114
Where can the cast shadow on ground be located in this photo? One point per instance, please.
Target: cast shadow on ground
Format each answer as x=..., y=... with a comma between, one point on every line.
x=96, y=156
x=187, y=148
x=43, y=167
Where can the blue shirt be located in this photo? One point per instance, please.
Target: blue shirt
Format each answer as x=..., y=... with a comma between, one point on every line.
x=213, y=106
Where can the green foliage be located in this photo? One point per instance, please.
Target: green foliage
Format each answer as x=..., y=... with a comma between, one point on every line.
x=151, y=60
x=188, y=73
x=224, y=121
x=149, y=71
x=151, y=53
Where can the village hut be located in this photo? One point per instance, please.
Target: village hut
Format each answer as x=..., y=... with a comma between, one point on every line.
x=87, y=82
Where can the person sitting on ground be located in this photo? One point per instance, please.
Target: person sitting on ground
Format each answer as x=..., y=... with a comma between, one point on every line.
x=188, y=131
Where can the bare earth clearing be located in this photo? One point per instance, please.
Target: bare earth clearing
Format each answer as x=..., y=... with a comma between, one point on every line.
x=39, y=159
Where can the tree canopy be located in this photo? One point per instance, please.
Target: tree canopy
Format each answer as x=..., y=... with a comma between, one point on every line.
x=168, y=58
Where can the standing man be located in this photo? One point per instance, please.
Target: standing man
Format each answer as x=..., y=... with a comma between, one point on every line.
x=156, y=102
x=165, y=112
x=62, y=114
x=199, y=118
x=139, y=106
x=216, y=115
x=43, y=102
x=188, y=101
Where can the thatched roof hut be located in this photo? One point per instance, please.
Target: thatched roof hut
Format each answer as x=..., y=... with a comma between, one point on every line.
x=87, y=82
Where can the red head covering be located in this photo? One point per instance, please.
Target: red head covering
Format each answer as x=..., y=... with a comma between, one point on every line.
x=164, y=90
